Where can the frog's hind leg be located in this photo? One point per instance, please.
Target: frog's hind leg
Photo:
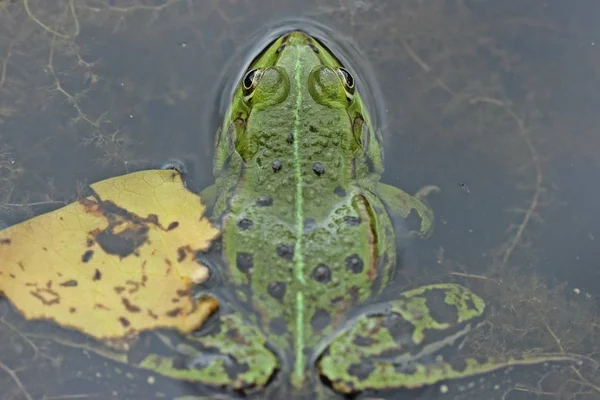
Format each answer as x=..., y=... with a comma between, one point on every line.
x=229, y=355
x=412, y=344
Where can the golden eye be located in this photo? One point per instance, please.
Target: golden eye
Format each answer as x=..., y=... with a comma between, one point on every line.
x=250, y=81
x=347, y=79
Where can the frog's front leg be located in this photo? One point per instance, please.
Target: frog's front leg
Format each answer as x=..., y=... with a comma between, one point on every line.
x=403, y=205
x=231, y=355
x=413, y=343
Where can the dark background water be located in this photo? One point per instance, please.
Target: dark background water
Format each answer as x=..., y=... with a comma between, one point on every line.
x=494, y=102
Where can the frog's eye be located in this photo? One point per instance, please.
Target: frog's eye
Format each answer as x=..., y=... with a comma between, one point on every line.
x=265, y=87
x=348, y=81
x=250, y=81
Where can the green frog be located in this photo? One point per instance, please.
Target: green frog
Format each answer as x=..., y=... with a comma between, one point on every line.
x=308, y=242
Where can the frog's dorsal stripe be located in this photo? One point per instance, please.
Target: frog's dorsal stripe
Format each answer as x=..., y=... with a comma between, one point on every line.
x=298, y=254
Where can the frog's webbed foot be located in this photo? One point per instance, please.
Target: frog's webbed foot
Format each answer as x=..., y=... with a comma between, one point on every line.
x=412, y=209
x=231, y=356
x=412, y=344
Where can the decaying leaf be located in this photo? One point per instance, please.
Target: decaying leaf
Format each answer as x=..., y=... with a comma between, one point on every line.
x=117, y=262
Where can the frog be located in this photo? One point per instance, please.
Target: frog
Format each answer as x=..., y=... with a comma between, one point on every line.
x=309, y=244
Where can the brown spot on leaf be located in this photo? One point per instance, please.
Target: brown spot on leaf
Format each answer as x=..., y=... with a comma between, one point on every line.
x=48, y=297
x=153, y=219
x=128, y=306
x=124, y=321
x=69, y=283
x=20, y=264
x=133, y=286
x=180, y=254
x=172, y=225
x=119, y=289
x=87, y=256
x=5, y=241
x=126, y=231
x=174, y=312
x=97, y=275
x=72, y=310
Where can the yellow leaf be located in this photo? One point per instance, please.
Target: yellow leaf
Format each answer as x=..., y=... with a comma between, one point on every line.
x=115, y=263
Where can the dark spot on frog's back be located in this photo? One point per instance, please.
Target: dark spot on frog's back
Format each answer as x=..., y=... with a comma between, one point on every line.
x=320, y=320
x=264, y=201
x=318, y=168
x=87, y=256
x=244, y=261
x=442, y=312
x=352, y=220
x=277, y=290
x=354, y=263
x=285, y=251
x=276, y=165
x=322, y=273
x=244, y=224
x=290, y=138
x=310, y=225
x=278, y=326
x=339, y=191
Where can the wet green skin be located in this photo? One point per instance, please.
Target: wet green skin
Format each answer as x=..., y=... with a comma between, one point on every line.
x=323, y=241
x=305, y=243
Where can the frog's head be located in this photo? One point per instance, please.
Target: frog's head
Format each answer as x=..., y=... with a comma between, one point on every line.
x=267, y=81
x=294, y=77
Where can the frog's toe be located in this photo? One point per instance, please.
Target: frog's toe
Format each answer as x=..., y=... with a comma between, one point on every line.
x=426, y=191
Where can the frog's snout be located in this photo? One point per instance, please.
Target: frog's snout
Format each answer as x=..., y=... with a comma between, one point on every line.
x=297, y=38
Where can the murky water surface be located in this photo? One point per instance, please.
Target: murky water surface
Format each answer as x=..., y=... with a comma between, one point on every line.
x=494, y=102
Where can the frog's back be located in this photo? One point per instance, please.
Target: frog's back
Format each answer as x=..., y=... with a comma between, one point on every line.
x=300, y=232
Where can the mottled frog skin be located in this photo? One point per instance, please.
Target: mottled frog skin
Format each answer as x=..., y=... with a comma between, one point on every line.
x=307, y=240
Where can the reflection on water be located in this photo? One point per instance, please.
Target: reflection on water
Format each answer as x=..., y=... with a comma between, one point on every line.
x=498, y=97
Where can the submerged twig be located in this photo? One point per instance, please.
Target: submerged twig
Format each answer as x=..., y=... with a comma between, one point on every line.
x=16, y=379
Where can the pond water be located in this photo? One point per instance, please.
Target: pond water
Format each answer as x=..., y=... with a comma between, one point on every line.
x=493, y=102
